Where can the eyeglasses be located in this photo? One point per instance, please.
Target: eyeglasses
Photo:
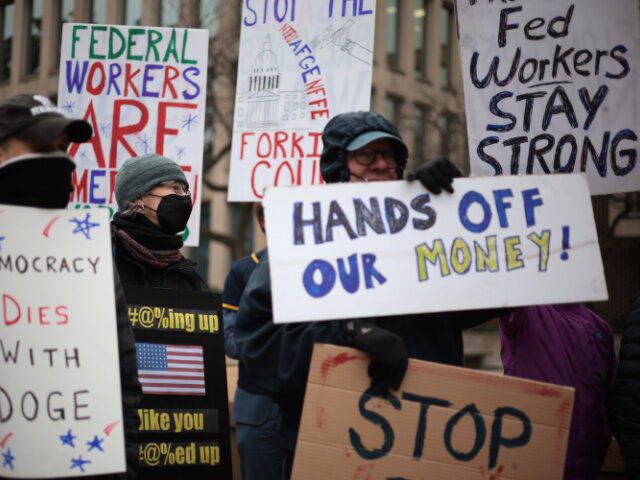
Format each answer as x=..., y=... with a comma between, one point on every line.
x=366, y=156
x=178, y=188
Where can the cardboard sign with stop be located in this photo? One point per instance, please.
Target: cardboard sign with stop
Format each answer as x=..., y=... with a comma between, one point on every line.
x=449, y=422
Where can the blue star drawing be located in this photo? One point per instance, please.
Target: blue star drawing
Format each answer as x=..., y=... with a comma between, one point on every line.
x=96, y=443
x=145, y=142
x=78, y=462
x=188, y=121
x=83, y=155
x=84, y=227
x=68, y=439
x=180, y=152
x=1, y=238
x=104, y=128
x=8, y=459
x=69, y=106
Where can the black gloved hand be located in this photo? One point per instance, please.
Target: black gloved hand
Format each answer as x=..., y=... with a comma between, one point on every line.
x=389, y=358
x=436, y=175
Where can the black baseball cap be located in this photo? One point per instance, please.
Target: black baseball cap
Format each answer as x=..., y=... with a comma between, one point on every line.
x=34, y=119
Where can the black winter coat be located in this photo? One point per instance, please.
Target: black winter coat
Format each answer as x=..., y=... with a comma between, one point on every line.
x=277, y=357
x=129, y=384
x=627, y=394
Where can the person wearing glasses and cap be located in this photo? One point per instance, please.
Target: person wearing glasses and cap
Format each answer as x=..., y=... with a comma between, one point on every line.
x=154, y=206
x=357, y=147
x=35, y=171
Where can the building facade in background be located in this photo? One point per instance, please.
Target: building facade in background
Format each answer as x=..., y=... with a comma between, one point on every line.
x=417, y=84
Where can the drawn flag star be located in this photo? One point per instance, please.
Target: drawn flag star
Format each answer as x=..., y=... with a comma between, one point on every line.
x=188, y=121
x=78, y=462
x=68, y=439
x=1, y=238
x=84, y=226
x=180, y=152
x=8, y=459
x=96, y=443
x=104, y=128
x=69, y=106
x=145, y=141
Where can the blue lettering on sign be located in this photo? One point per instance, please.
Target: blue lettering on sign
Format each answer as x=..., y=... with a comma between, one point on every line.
x=357, y=8
x=469, y=199
x=279, y=8
x=94, y=186
x=328, y=279
x=350, y=280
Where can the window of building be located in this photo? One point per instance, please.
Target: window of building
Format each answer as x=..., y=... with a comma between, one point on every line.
x=420, y=38
x=392, y=107
x=393, y=34
x=65, y=15
x=132, y=12
x=444, y=125
x=209, y=16
x=34, y=36
x=420, y=121
x=446, y=47
x=170, y=13
x=6, y=23
x=98, y=11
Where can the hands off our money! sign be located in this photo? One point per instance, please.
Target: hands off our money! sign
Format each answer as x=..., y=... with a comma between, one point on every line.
x=143, y=90
x=60, y=405
x=359, y=250
x=552, y=86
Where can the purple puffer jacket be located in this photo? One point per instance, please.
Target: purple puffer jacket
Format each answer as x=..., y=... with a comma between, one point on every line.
x=567, y=345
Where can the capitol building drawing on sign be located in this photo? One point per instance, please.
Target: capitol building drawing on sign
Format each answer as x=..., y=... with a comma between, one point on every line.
x=265, y=105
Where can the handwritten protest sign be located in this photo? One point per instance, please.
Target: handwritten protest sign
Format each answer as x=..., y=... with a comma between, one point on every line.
x=143, y=89
x=300, y=63
x=552, y=86
x=60, y=406
x=448, y=421
x=347, y=250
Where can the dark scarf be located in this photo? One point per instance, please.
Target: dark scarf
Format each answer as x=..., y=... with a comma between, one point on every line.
x=145, y=241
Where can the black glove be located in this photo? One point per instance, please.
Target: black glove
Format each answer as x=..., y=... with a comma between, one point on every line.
x=436, y=175
x=389, y=358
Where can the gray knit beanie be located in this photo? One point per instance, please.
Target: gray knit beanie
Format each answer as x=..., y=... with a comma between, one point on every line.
x=138, y=175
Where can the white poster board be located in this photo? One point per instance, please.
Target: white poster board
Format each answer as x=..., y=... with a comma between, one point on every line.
x=60, y=405
x=143, y=89
x=359, y=250
x=300, y=64
x=552, y=86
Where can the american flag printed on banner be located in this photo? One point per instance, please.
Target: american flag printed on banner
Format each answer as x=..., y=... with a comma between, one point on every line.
x=170, y=369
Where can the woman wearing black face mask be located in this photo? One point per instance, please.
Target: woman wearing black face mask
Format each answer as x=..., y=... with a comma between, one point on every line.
x=154, y=206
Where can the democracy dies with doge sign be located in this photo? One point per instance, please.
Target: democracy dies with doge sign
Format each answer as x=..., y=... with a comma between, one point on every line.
x=345, y=250
x=552, y=87
x=58, y=339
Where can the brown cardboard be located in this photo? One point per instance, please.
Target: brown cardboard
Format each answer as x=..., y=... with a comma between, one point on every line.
x=332, y=422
